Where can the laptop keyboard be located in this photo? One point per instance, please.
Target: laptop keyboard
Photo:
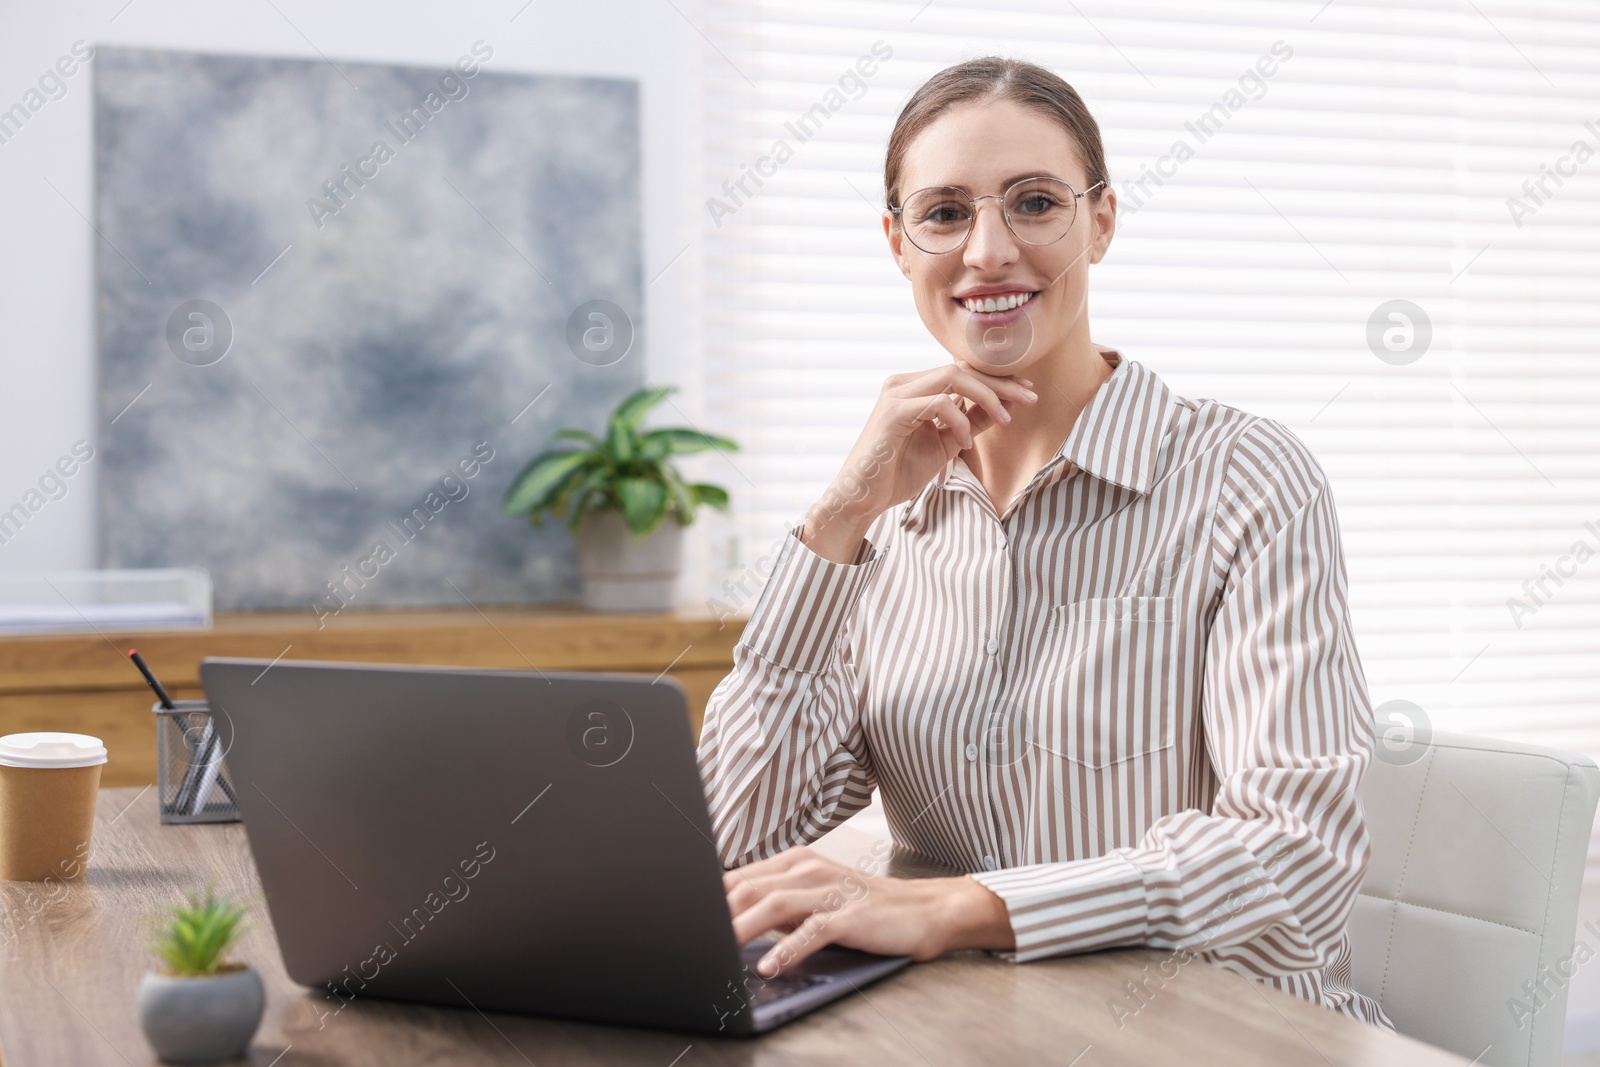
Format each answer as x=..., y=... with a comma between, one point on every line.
x=785, y=984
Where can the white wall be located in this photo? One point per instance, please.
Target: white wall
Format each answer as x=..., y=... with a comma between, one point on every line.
x=47, y=354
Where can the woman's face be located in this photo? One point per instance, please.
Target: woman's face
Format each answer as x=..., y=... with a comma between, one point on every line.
x=982, y=148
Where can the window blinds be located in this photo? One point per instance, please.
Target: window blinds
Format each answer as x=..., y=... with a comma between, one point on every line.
x=1390, y=243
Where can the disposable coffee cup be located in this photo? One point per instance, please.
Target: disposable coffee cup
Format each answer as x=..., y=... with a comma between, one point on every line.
x=48, y=786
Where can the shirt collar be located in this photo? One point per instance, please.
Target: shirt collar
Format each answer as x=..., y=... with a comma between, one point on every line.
x=1116, y=438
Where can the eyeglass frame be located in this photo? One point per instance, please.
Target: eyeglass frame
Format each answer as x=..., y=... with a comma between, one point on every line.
x=973, y=200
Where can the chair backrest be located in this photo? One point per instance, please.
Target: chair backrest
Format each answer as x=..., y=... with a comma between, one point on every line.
x=1464, y=928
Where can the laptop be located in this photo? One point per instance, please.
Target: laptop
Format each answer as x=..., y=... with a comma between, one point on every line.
x=516, y=841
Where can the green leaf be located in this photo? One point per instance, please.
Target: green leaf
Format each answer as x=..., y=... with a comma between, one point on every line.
x=620, y=440
x=578, y=435
x=544, y=479
x=632, y=410
x=577, y=508
x=682, y=497
x=652, y=452
x=584, y=496
x=681, y=442
x=199, y=935
x=714, y=495
x=644, y=503
x=600, y=478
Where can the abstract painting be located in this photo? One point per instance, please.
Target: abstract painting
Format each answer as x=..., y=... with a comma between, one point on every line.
x=341, y=304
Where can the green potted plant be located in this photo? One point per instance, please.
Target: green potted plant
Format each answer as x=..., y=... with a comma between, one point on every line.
x=623, y=501
x=200, y=1007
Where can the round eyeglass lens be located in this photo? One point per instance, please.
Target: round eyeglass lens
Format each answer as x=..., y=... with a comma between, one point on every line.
x=937, y=220
x=1041, y=210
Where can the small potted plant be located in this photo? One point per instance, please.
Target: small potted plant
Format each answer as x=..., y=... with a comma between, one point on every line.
x=200, y=1007
x=616, y=495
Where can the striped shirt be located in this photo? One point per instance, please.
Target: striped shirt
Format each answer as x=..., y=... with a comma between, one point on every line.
x=1131, y=705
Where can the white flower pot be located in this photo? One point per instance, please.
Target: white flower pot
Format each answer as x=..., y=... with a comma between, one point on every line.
x=200, y=1018
x=624, y=573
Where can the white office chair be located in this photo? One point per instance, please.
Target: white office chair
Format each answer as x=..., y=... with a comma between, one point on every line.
x=1478, y=852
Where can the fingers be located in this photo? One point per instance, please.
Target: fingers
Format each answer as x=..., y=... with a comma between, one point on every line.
x=813, y=901
x=801, y=871
x=1011, y=385
x=780, y=909
x=771, y=865
x=988, y=391
x=962, y=382
x=744, y=878
x=988, y=395
x=741, y=895
x=1007, y=391
x=942, y=407
x=782, y=896
x=741, y=891
x=806, y=938
x=979, y=420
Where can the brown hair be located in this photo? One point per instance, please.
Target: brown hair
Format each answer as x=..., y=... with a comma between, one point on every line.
x=994, y=78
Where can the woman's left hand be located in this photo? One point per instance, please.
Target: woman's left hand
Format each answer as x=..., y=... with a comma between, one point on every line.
x=815, y=902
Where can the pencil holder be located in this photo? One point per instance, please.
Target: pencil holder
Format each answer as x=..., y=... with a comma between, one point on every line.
x=191, y=765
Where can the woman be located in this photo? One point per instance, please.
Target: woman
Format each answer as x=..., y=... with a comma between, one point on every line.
x=1087, y=639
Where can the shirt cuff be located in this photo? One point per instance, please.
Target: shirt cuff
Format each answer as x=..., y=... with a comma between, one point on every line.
x=806, y=600
x=1062, y=908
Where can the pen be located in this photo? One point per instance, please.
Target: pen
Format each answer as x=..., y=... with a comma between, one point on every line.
x=203, y=770
x=138, y=661
x=210, y=771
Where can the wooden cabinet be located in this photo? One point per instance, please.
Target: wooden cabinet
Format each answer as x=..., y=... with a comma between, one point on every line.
x=84, y=683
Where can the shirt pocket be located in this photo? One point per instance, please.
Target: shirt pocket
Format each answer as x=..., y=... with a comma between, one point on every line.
x=1110, y=681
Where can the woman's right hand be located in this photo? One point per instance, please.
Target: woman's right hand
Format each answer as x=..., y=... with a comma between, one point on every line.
x=921, y=420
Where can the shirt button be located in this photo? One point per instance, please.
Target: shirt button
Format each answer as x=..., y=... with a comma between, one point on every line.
x=1000, y=542
x=993, y=646
x=972, y=752
x=988, y=863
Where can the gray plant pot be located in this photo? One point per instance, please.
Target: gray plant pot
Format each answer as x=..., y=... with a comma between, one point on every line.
x=624, y=573
x=200, y=1019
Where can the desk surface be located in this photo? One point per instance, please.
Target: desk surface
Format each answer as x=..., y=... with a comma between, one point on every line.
x=76, y=951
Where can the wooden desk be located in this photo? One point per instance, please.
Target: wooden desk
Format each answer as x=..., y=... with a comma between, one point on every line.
x=75, y=953
x=83, y=683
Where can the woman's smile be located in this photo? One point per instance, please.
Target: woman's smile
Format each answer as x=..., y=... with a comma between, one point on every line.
x=995, y=307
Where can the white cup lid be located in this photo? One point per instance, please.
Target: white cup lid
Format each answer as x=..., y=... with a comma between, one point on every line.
x=51, y=750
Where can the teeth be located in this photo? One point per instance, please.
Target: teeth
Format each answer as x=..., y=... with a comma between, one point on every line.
x=1004, y=303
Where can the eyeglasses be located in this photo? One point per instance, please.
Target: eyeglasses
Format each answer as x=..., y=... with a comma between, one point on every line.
x=1038, y=211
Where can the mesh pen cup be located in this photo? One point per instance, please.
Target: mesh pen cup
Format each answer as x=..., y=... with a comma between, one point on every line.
x=191, y=765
